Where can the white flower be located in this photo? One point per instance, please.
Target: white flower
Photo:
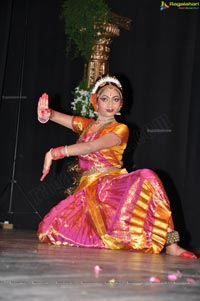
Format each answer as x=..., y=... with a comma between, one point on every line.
x=81, y=104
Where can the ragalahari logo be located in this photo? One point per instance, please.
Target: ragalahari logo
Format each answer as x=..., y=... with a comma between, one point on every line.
x=179, y=5
x=164, y=5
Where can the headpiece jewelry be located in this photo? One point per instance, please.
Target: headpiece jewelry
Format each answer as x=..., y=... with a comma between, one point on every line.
x=106, y=79
x=100, y=84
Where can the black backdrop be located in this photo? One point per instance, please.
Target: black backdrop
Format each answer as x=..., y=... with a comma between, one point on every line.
x=158, y=62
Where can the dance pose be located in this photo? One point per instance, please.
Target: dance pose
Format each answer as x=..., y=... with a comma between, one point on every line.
x=110, y=208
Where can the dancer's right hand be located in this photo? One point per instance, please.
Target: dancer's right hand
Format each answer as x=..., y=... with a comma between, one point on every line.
x=47, y=165
x=43, y=110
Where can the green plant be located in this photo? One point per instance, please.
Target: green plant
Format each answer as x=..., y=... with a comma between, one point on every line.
x=84, y=22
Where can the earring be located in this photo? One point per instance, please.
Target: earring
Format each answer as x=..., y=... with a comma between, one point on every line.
x=118, y=113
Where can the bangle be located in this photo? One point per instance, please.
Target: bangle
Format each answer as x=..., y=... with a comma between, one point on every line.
x=42, y=120
x=57, y=153
x=66, y=151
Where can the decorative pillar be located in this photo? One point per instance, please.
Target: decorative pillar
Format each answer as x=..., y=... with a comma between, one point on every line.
x=98, y=62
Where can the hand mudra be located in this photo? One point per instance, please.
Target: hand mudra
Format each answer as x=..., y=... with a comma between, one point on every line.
x=43, y=110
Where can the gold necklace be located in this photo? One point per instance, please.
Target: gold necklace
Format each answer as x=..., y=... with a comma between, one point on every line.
x=105, y=120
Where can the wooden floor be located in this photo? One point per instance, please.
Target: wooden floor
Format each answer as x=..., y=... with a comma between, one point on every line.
x=30, y=270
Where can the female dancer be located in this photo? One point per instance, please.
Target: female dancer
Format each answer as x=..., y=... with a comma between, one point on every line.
x=110, y=208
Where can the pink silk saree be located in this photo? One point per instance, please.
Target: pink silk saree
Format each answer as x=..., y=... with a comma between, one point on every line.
x=110, y=208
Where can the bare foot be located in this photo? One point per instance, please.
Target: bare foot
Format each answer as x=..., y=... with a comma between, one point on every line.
x=176, y=250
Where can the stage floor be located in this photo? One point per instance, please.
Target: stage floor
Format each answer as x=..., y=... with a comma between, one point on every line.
x=31, y=270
